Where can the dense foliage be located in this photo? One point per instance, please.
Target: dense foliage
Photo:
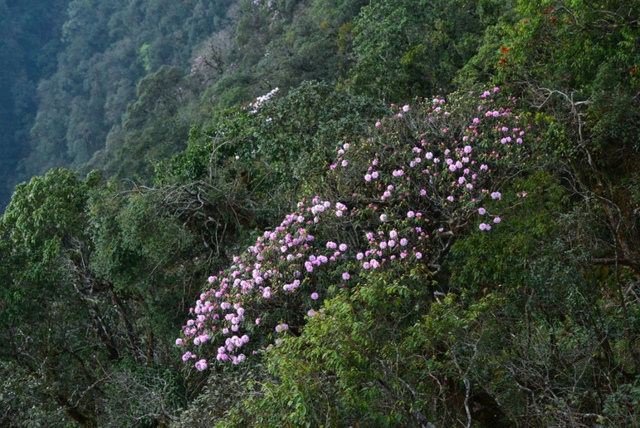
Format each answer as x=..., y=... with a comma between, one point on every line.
x=324, y=213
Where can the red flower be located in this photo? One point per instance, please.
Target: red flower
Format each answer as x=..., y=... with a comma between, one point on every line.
x=505, y=50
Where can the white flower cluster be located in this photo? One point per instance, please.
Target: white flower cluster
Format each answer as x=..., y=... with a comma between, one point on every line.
x=262, y=99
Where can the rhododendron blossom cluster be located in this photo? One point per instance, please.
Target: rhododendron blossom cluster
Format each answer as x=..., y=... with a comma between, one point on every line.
x=425, y=174
x=276, y=268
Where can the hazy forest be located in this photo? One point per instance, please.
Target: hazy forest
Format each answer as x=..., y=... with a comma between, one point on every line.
x=320, y=213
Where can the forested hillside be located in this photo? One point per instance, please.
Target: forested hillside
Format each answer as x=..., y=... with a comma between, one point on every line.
x=72, y=67
x=321, y=213
x=30, y=40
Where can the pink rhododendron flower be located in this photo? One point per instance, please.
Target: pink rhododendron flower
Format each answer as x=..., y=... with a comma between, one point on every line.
x=201, y=365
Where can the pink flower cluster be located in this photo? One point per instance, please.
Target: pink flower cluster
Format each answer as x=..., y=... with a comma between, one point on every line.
x=275, y=268
x=389, y=246
x=429, y=188
x=424, y=188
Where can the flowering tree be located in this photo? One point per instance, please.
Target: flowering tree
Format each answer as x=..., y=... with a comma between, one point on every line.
x=426, y=175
